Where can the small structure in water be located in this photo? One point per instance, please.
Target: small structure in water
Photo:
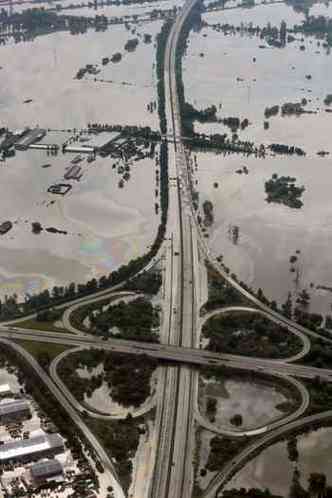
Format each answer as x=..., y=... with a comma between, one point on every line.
x=59, y=188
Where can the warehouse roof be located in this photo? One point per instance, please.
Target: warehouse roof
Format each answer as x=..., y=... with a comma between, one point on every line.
x=16, y=449
x=4, y=388
x=46, y=468
x=13, y=407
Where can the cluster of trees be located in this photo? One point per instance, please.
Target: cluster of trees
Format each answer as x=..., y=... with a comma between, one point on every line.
x=282, y=190
x=190, y=114
x=120, y=440
x=319, y=26
x=131, y=44
x=147, y=282
x=250, y=334
x=286, y=149
x=223, y=449
x=193, y=21
x=317, y=488
x=38, y=21
x=221, y=293
x=328, y=99
x=293, y=453
x=235, y=123
x=271, y=111
x=128, y=377
x=134, y=320
x=320, y=354
x=160, y=64
x=208, y=213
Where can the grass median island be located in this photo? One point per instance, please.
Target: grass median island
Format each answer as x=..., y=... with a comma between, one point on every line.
x=128, y=377
x=43, y=352
x=249, y=334
x=44, y=320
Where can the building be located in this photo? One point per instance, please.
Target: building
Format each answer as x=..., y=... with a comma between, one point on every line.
x=14, y=411
x=26, y=450
x=96, y=143
x=74, y=172
x=30, y=138
x=46, y=469
x=59, y=188
x=5, y=391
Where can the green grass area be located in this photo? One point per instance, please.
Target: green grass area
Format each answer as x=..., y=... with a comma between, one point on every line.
x=38, y=349
x=34, y=324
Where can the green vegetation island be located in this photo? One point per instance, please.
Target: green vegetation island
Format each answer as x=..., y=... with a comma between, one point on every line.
x=282, y=190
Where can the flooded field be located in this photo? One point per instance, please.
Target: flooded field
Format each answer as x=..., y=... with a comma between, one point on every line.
x=272, y=469
x=106, y=226
x=257, y=403
x=242, y=75
x=43, y=71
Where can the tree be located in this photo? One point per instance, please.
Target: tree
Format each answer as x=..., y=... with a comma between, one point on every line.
x=283, y=32
x=317, y=485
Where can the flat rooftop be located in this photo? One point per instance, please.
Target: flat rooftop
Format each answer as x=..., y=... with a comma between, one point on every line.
x=4, y=388
x=13, y=407
x=23, y=447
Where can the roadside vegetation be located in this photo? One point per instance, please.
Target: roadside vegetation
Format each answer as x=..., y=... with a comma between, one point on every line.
x=220, y=293
x=120, y=440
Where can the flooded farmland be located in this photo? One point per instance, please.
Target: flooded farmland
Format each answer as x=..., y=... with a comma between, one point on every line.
x=105, y=225
x=272, y=469
x=241, y=74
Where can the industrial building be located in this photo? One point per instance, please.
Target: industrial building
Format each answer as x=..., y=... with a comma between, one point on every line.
x=44, y=470
x=14, y=411
x=30, y=138
x=26, y=450
x=5, y=391
x=97, y=143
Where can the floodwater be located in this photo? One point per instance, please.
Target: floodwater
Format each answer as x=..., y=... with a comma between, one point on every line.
x=106, y=226
x=8, y=375
x=272, y=468
x=244, y=79
x=44, y=71
x=101, y=398
x=256, y=402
